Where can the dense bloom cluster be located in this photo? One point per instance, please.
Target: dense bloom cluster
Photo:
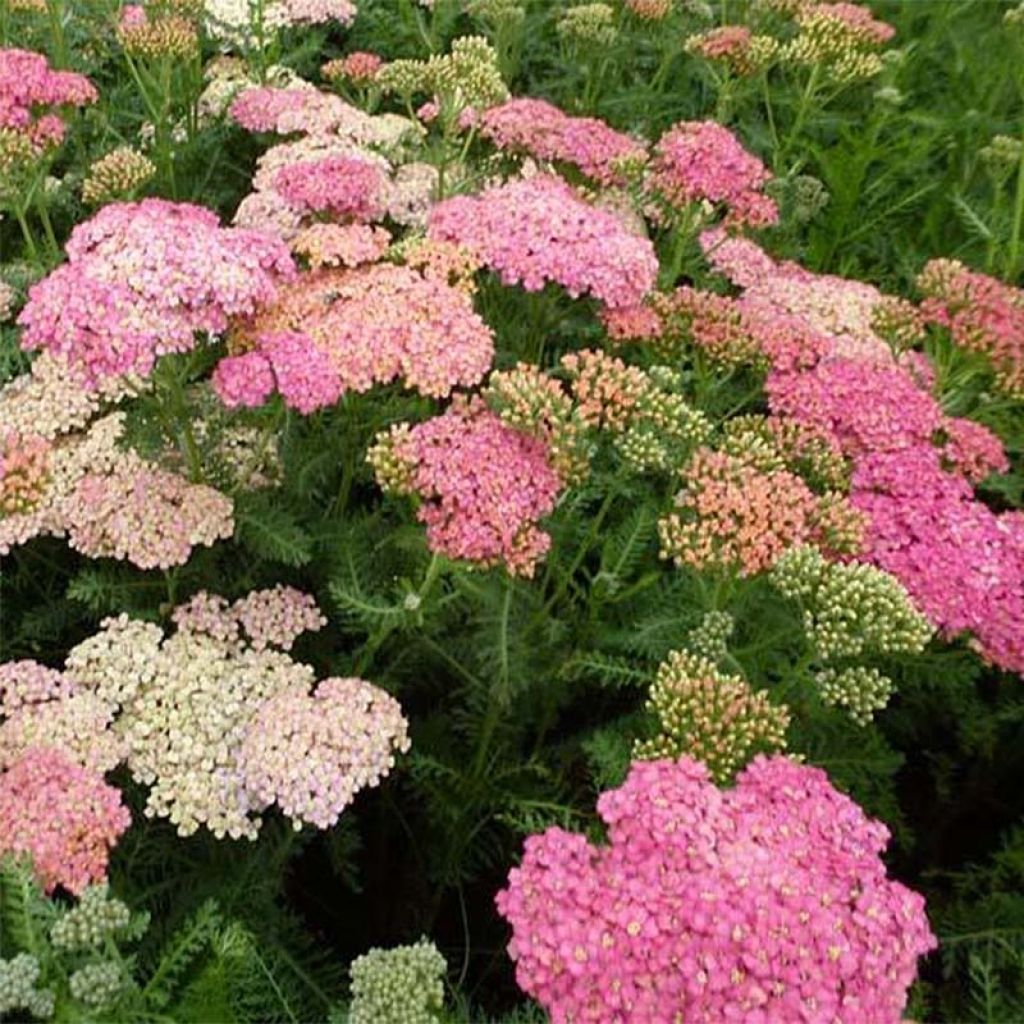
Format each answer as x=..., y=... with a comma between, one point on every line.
x=24, y=472
x=164, y=35
x=90, y=921
x=30, y=89
x=403, y=985
x=18, y=979
x=110, y=503
x=339, y=185
x=64, y=816
x=767, y=902
x=340, y=245
x=981, y=313
x=216, y=719
x=537, y=230
x=736, y=516
x=700, y=161
x=312, y=753
x=339, y=330
x=733, y=45
x=850, y=609
x=962, y=564
x=231, y=21
x=840, y=37
x=482, y=484
x=843, y=311
x=141, y=280
x=359, y=68
x=860, y=689
x=544, y=131
x=529, y=400
x=710, y=716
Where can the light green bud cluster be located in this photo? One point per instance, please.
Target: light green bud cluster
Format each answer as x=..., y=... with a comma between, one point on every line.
x=98, y=985
x=588, y=23
x=86, y=925
x=664, y=428
x=859, y=689
x=710, y=639
x=18, y=978
x=1002, y=155
x=496, y=12
x=1015, y=16
x=404, y=985
x=850, y=609
x=713, y=717
x=468, y=76
x=393, y=471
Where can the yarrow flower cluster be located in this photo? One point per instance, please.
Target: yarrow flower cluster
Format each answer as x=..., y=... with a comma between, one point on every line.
x=64, y=816
x=767, y=902
x=544, y=131
x=347, y=330
x=91, y=921
x=403, y=985
x=981, y=314
x=18, y=979
x=710, y=716
x=312, y=753
x=141, y=280
x=734, y=516
x=108, y=501
x=338, y=185
x=702, y=162
x=216, y=719
x=164, y=35
x=538, y=230
x=31, y=94
x=483, y=486
x=232, y=21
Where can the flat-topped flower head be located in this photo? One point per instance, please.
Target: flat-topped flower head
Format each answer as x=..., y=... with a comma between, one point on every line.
x=538, y=230
x=64, y=816
x=766, y=903
x=483, y=485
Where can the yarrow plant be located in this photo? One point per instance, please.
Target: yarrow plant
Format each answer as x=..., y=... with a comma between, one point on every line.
x=766, y=902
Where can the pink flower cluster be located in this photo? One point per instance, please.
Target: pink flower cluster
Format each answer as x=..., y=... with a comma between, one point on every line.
x=24, y=472
x=912, y=464
x=767, y=903
x=856, y=19
x=64, y=816
x=700, y=161
x=338, y=185
x=318, y=12
x=287, y=110
x=270, y=618
x=981, y=313
x=311, y=753
x=537, y=230
x=113, y=504
x=28, y=85
x=544, y=131
x=734, y=515
x=483, y=485
x=962, y=563
x=843, y=312
x=141, y=280
x=336, y=331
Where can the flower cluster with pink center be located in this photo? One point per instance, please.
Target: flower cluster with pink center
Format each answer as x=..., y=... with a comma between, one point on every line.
x=141, y=280
x=483, y=485
x=29, y=87
x=767, y=903
x=700, y=161
x=537, y=230
x=544, y=131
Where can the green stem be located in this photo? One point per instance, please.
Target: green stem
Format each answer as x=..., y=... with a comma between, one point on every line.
x=19, y=215
x=1013, y=257
x=55, y=10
